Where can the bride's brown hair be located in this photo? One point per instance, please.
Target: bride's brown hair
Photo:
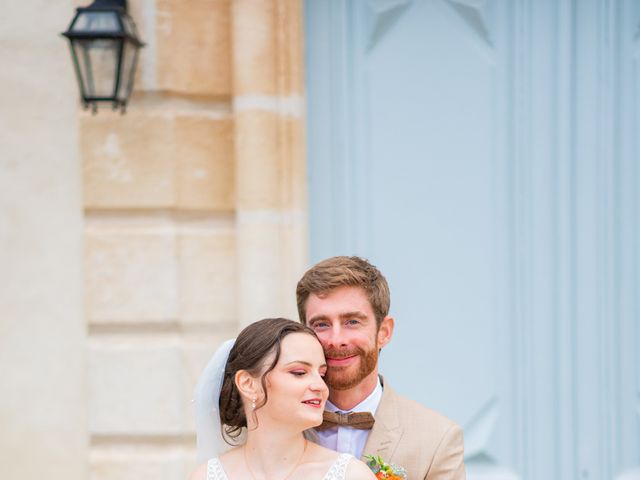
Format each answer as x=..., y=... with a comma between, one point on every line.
x=253, y=345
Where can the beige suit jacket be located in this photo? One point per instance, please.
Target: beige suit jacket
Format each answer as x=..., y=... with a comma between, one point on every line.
x=428, y=445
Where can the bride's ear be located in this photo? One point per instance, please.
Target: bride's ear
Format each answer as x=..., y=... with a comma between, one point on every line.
x=246, y=384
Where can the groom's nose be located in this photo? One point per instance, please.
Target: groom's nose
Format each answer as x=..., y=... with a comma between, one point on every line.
x=333, y=337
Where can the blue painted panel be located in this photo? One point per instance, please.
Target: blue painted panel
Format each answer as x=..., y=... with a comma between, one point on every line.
x=485, y=155
x=430, y=144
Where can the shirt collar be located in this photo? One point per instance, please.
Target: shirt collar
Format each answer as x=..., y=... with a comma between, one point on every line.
x=369, y=404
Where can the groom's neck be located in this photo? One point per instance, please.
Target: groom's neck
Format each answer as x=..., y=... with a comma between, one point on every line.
x=346, y=400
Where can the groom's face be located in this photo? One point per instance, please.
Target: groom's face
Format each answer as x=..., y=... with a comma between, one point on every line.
x=346, y=326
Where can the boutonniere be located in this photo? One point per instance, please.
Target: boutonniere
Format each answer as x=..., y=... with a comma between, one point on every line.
x=383, y=470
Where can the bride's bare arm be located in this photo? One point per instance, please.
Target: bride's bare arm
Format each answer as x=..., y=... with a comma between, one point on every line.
x=357, y=470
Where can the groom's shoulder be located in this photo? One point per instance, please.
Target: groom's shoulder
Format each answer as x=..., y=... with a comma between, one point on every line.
x=429, y=442
x=420, y=416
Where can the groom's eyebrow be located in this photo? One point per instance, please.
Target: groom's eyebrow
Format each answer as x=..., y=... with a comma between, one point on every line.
x=316, y=318
x=355, y=314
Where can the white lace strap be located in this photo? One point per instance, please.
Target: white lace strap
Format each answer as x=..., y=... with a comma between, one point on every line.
x=215, y=471
x=338, y=470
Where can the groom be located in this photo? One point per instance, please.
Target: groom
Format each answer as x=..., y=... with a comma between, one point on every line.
x=345, y=300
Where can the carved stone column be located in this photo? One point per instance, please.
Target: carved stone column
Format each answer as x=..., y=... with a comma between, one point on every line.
x=270, y=172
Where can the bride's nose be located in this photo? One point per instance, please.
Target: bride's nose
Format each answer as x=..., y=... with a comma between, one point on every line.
x=318, y=384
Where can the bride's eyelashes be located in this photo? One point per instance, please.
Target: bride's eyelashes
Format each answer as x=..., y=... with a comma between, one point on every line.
x=300, y=373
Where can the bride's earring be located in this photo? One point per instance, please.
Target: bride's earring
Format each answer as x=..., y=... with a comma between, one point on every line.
x=253, y=403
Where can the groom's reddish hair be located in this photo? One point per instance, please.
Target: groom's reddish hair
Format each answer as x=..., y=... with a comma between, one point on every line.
x=342, y=271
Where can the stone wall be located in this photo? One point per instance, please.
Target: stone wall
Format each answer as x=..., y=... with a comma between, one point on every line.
x=194, y=217
x=43, y=430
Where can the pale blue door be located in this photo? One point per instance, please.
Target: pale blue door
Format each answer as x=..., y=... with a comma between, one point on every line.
x=485, y=155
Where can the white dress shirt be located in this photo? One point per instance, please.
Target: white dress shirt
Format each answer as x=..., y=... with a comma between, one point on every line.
x=351, y=440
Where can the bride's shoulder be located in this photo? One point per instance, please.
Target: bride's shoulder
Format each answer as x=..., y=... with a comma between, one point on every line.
x=358, y=470
x=229, y=459
x=355, y=469
x=200, y=473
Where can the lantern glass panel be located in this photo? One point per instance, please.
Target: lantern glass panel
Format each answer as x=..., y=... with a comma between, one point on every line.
x=96, y=22
x=129, y=26
x=129, y=59
x=98, y=64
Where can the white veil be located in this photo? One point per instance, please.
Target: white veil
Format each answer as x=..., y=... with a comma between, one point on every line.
x=207, y=395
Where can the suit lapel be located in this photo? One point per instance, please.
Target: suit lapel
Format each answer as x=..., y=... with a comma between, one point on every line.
x=387, y=431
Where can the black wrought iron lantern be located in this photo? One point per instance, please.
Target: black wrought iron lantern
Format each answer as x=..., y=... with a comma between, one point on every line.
x=104, y=45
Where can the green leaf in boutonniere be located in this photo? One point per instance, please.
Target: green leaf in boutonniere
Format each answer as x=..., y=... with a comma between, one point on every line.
x=383, y=470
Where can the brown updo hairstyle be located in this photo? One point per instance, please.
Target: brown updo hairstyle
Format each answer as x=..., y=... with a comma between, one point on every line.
x=253, y=345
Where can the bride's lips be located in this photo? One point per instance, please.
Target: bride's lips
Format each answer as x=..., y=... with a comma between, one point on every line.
x=340, y=362
x=313, y=402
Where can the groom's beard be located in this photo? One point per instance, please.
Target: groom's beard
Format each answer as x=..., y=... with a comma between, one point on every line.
x=341, y=378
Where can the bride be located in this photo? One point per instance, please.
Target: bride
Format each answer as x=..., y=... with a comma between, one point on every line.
x=271, y=383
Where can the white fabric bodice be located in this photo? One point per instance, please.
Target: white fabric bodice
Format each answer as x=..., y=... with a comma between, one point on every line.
x=337, y=471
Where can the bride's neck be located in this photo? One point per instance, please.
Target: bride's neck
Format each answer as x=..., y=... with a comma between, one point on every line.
x=272, y=452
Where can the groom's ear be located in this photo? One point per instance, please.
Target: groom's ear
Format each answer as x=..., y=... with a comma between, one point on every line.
x=385, y=332
x=246, y=384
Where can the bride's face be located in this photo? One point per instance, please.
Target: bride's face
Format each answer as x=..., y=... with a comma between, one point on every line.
x=296, y=389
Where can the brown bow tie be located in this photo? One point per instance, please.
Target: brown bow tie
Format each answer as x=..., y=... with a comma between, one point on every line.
x=359, y=420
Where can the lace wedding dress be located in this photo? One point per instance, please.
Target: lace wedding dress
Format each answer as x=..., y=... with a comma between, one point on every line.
x=338, y=470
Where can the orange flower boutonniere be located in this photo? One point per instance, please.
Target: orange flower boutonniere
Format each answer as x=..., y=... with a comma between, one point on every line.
x=385, y=471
